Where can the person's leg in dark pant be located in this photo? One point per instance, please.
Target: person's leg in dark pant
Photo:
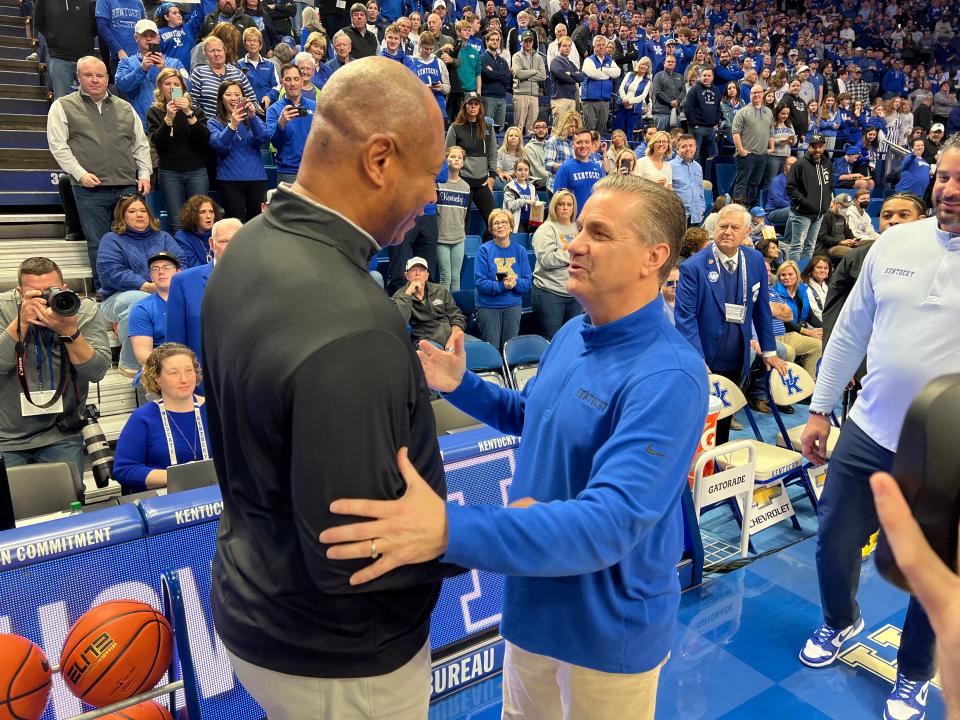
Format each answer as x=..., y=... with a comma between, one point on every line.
x=571, y=308
x=173, y=187
x=71, y=218
x=254, y=193
x=548, y=308
x=510, y=324
x=95, y=208
x=723, y=425
x=483, y=198
x=847, y=519
x=915, y=659
x=489, y=322
x=425, y=244
x=234, y=200
x=758, y=167
x=740, y=176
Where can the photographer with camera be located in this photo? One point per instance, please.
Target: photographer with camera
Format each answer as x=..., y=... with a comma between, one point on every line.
x=288, y=124
x=47, y=324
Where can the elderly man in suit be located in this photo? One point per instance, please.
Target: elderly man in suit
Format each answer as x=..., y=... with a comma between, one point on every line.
x=722, y=293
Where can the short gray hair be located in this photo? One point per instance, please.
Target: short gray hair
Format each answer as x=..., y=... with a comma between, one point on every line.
x=732, y=208
x=225, y=223
x=660, y=217
x=304, y=57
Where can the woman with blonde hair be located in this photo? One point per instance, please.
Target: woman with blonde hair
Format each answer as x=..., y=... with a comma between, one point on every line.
x=509, y=153
x=170, y=431
x=654, y=166
x=310, y=23
x=178, y=131
x=632, y=99
x=618, y=143
x=558, y=148
x=502, y=276
x=804, y=329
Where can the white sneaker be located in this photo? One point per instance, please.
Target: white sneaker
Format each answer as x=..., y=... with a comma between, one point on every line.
x=823, y=646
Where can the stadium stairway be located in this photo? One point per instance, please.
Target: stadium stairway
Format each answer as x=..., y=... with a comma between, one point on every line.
x=28, y=173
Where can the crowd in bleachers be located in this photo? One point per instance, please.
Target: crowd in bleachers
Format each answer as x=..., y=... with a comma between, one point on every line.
x=775, y=107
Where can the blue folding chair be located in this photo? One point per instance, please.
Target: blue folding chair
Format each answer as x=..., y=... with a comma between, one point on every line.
x=484, y=360
x=521, y=355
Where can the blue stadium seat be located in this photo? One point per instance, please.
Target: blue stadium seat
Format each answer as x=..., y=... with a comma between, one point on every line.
x=467, y=279
x=725, y=173
x=522, y=239
x=470, y=245
x=873, y=209
x=521, y=355
x=484, y=360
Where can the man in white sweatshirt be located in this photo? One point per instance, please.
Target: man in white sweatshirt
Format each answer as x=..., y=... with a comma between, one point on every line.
x=902, y=313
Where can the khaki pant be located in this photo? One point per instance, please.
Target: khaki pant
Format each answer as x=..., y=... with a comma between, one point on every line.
x=403, y=694
x=559, y=107
x=809, y=349
x=839, y=250
x=536, y=687
x=525, y=111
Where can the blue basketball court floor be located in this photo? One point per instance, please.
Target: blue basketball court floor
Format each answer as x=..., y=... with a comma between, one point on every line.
x=735, y=653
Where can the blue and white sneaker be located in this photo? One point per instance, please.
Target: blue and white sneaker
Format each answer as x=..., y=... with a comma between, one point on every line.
x=908, y=701
x=823, y=646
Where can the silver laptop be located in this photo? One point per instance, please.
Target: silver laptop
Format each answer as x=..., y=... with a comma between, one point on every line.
x=190, y=476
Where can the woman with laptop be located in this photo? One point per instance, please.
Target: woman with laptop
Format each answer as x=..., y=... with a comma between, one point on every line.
x=170, y=431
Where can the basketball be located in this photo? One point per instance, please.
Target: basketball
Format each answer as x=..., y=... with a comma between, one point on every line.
x=24, y=679
x=148, y=710
x=115, y=651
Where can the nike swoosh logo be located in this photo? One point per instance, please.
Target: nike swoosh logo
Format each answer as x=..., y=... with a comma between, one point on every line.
x=651, y=451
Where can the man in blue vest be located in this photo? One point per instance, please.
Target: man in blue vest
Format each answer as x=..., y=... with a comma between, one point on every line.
x=597, y=89
x=721, y=294
x=187, y=288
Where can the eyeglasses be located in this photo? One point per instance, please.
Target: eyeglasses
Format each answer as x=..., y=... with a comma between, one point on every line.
x=166, y=267
x=670, y=283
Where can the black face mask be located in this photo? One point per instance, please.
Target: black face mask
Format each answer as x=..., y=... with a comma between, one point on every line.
x=865, y=204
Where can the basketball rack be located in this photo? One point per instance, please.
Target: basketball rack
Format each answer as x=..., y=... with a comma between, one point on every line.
x=182, y=675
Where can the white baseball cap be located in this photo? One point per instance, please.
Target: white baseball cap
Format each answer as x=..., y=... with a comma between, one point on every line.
x=414, y=261
x=145, y=25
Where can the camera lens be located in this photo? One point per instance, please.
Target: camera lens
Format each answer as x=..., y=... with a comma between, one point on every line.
x=62, y=302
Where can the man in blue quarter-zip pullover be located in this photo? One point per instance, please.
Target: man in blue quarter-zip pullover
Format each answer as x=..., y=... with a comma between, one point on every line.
x=592, y=592
x=288, y=124
x=901, y=315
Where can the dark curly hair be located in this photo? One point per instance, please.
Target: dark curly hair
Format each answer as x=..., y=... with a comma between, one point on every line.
x=190, y=212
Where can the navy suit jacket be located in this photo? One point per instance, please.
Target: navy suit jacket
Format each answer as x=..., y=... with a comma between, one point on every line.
x=699, y=308
x=183, y=306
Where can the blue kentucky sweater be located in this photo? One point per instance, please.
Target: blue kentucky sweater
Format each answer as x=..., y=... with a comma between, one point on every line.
x=238, y=151
x=608, y=428
x=290, y=140
x=122, y=259
x=194, y=247
x=492, y=259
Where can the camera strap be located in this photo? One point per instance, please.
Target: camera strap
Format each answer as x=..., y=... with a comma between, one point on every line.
x=66, y=370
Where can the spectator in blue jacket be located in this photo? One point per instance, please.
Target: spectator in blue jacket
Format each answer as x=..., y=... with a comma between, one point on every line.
x=116, y=20
x=894, y=81
x=915, y=171
x=169, y=432
x=726, y=70
x=778, y=202
x=288, y=125
x=123, y=270
x=197, y=217
x=147, y=324
x=701, y=107
x=502, y=275
x=137, y=73
x=597, y=90
x=260, y=72
x=178, y=35
x=495, y=80
x=237, y=135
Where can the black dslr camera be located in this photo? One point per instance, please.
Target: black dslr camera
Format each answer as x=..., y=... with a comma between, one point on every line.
x=62, y=302
x=927, y=469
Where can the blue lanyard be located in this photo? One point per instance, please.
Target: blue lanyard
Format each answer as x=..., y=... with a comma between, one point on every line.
x=45, y=340
x=743, y=271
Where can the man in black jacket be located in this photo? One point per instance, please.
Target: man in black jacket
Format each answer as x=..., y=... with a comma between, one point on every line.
x=364, y=42
x=835, y=238
x=701, y=108
x=799, y=118
x=428, y=308
x=810, y=189
x=226, y=12
x=564, y=16
x=310, y=396
x=70, y=29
